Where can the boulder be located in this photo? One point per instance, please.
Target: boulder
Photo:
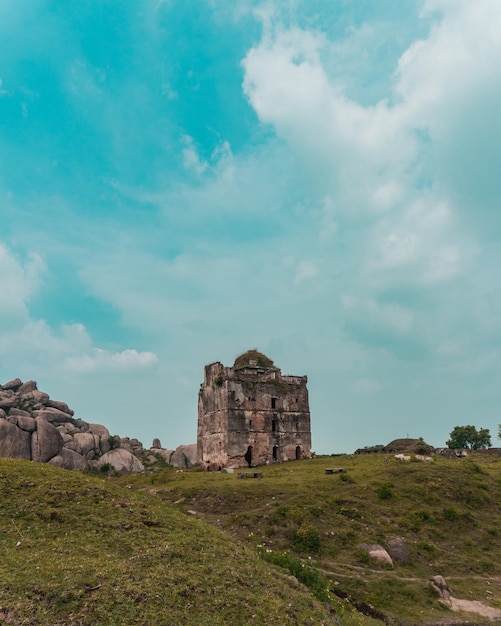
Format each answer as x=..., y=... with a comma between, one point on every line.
x=441, y=589
x=377, y=553
x=13, y=384
x=398, y=550
x=53, y=415
x=104, y=444
x=27, y=387
x=122, y=461
x=165, y=454
x=86, y=444
x=156, y=444
x=69, y=459
x=99, y=430
x=8, y=399
x=36, y=397
x=46, y=441
x=14, y=442
x=61, y=406
x=17, y=412
x=184, y=456
x=26, y=423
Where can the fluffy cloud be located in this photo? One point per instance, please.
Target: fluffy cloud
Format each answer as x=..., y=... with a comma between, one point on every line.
x=18, y=282
x=117, y=361
x=24, y=338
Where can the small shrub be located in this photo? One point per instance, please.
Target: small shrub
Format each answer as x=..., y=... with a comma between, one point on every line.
x=426, y=546
x=346, y=478
x=350, y=512
x=106, y=468
x=385, y=491
x=218, y=381
x=307, y=539
x=305, y=573
x=424, y=515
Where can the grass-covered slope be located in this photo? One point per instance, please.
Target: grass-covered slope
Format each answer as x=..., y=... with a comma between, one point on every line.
x=77, y=549
x=448, y=513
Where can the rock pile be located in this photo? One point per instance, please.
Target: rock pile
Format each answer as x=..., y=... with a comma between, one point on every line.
x=35, y=427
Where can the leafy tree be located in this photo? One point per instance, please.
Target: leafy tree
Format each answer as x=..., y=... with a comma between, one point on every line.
x=469, y=437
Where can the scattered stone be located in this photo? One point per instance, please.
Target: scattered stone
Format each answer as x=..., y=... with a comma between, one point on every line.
x=441, y=589
x=377, y=553
x=398, y=551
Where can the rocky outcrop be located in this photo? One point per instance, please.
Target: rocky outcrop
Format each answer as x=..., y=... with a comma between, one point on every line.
x=36, y=428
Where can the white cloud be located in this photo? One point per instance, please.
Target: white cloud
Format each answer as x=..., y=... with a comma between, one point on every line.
x=191, y=158
x=104, y=360
x=18, y=282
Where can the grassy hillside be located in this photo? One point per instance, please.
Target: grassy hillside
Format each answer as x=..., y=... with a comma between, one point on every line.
x=171, y=547
x=446, y=511
x=77, y=549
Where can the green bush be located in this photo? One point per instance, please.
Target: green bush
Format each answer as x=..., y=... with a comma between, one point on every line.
x=307, y=539
x=305, y=573
x=385, y=491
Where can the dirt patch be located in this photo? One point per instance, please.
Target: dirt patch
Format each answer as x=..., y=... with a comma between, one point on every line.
x=474, y=606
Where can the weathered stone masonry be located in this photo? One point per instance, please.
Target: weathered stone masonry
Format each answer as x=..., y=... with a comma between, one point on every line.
x=250, y=414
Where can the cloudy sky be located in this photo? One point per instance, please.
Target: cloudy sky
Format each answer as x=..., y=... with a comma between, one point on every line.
x=317, y=179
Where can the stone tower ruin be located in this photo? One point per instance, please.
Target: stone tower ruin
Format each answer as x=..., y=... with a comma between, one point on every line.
x=251, y=414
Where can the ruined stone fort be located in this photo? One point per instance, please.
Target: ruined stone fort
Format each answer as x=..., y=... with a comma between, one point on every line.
x=250, y=414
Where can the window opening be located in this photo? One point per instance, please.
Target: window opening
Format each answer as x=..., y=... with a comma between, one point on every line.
x=275, y=453
x=273, y=403
x=298, y=453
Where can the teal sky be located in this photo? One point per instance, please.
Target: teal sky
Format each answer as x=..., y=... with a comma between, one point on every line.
x=320, y=180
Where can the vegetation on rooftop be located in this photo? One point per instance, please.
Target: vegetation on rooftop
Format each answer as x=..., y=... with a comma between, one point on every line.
x=260, y=359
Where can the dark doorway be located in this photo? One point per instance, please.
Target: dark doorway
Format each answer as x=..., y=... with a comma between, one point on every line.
x=298, y=453
x=275, y=452
x=248, y=456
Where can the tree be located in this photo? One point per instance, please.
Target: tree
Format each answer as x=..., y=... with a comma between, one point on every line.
x=469, y=437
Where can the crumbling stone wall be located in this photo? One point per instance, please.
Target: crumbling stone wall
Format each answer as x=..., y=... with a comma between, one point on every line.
x=251, y=414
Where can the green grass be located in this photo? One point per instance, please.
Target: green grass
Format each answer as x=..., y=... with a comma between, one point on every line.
x=195, y=548
x=85, y=550
x=447, y=512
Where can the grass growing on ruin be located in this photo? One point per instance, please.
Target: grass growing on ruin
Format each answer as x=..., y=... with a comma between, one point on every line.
x=446, y=511
x=85, y=550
